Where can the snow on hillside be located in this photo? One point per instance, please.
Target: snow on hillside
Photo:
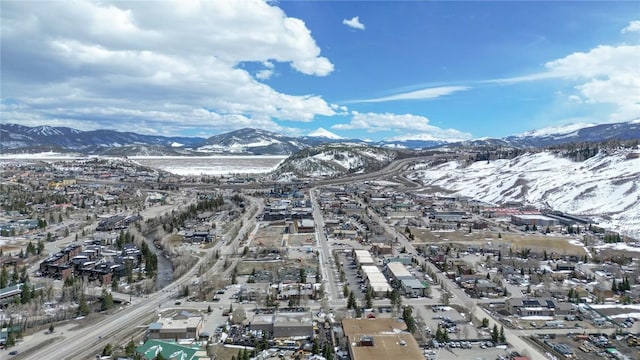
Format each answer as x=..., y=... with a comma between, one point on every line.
x=336, y=159
x=606, y=186
x=556, y=130
x=321, y=132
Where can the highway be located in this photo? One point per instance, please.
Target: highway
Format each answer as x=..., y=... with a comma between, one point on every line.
x=88, y=341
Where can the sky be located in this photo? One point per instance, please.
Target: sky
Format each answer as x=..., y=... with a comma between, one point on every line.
x=378, y=70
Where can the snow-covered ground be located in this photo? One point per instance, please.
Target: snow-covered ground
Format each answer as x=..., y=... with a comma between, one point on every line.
x=606, y=186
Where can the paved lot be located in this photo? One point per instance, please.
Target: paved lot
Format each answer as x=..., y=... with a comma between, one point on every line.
x=468, y=354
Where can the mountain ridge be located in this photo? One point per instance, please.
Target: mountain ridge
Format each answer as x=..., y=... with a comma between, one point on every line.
x=251, y=141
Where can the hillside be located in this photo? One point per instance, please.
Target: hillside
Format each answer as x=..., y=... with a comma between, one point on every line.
x=606, y=186
x=331, y=160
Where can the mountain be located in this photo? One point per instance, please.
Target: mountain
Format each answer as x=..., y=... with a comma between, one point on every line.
x=411, y=144
x=323, y=133
x=576, y=133
x=18, y=138
x=332, y=160
x=605, y=186
x=13, y=136
x=257, y=142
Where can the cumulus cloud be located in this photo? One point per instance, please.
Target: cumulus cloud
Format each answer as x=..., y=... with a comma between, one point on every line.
x=605, y=74
x=354, y=23
x=423, y=94
x=165, y=61
x=634, y=26
x=407, y=126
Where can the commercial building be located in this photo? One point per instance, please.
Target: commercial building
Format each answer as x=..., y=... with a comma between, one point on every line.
x=176, y=328
x=533, y=219
x=402, y=279
x=376, y=280
x=372, y=339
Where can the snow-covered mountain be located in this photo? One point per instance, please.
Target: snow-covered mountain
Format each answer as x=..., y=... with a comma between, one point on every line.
x=13, y=136
x=557, y=135
x=331, y=160
x=258, y=142
x=18, y=138
x=324, y=133
x=606, y=185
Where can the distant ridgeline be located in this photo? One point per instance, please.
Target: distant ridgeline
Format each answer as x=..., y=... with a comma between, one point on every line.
x=575, y=151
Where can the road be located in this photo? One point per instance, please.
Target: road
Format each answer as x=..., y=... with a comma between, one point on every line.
x=84, y=344
x=331, y=290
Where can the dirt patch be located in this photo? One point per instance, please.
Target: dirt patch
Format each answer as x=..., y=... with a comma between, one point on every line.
x=301, y=240
x=535, y=242
x=269, y=237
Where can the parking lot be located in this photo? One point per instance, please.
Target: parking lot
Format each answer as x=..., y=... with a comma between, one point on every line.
x=353, y=279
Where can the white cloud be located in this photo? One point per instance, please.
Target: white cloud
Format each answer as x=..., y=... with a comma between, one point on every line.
x=410, y=126
x=354, y=23
x=429, y=93
x=634, y=26
x=164, y=60
x=605, y=74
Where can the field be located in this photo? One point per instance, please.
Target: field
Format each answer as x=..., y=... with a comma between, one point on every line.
x=488, y=239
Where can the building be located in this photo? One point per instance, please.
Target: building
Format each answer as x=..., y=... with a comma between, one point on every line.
x=372, y=339
x=376, y=281
x=530, y=307
x=304, y=226
x=179, y=327
x=402, y=279
x=451, y=216
x=533, y=219
x=363, y=257
x=284, y=325
x=169, y=350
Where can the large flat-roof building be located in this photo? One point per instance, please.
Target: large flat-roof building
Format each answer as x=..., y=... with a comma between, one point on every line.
x=284, y=325
x=176, y=328
x=376, y=280
x=402, y=279
x=533, y=219
x=372, y=339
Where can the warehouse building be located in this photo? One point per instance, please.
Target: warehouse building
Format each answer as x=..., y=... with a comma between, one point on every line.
x=533, y=219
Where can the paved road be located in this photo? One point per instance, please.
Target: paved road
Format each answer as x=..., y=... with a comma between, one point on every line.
x=331, y=290
x=86, y=343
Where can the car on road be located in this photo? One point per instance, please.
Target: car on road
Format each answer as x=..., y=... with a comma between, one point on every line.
x=14, y=352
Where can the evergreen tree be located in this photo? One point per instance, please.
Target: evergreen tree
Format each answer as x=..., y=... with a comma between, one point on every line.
x=83, y=308
x=107, y=300
x=130, y=349
x=4, y=278
x=25, y=293
x=351, y=302
x=495, y=335
x=408, y=319
x=502, y=338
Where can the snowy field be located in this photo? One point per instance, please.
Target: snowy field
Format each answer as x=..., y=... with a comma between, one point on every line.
x=211, y=165
x=179, y=165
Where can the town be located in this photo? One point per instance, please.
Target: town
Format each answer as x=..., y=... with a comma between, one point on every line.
x=105, y=258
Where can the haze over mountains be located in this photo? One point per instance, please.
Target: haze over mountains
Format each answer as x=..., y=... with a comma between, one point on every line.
x=20, y=139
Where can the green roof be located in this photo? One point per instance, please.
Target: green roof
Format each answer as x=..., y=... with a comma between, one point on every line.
x=169, y=350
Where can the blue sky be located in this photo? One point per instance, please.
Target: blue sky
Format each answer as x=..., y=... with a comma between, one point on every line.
x=371, y=70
